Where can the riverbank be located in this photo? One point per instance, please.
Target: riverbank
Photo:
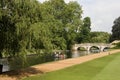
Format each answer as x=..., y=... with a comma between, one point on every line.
x=52, y=66
x=104, y=68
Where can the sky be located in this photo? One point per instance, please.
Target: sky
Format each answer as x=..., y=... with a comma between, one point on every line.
x=101, y=12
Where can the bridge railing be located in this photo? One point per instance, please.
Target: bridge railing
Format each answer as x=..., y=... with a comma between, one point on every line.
x=92, y=44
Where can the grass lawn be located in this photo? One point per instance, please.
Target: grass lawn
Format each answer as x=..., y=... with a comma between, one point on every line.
x=105, y=68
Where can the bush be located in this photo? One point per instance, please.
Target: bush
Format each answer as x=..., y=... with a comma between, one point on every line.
x=117, y=45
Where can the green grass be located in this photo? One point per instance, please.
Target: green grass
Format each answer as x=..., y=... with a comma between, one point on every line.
x=105, y=68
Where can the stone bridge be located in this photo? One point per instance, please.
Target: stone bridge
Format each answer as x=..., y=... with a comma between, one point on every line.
x=88, y=46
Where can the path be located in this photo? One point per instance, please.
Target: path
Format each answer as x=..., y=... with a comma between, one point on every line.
x=52, y=66
x=70, y=62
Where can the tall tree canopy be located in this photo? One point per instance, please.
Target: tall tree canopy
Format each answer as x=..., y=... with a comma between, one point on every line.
x=99, y=37
x=15, y=20
x=84, y=35
x=116, y=30
x=30, y=25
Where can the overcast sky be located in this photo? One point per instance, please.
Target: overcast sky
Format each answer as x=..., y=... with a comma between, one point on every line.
x=101, y=12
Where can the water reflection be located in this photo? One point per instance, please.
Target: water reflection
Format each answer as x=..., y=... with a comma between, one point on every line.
x=4, y=62
x=79, y=53
x=56, y=56
x=75, y=54
x=5, y=68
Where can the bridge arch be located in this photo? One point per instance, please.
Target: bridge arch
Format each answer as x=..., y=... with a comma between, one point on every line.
x=94, y=49
x=81, y=48
x=88, y=46
x=106, y=48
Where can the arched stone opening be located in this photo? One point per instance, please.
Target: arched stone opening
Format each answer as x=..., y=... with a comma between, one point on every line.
x=94, y=49
x=106, y=49
x=81, y=48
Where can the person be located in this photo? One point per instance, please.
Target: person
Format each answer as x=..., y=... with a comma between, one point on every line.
x=62, y=56
x=56, y=56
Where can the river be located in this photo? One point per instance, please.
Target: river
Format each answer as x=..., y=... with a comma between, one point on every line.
x=58, y=56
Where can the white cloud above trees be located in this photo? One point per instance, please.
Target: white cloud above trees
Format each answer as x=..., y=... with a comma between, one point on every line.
x=101, y=12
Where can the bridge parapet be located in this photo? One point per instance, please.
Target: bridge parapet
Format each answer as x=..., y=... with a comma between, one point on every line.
x=92, y=44
x=87, y=46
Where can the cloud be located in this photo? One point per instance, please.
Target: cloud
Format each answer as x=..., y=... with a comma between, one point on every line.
x=42, y=0
x=102, y=13
x=67, y=1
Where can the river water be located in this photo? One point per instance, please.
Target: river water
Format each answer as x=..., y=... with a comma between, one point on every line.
x=79, y=53
x=68, y=54
x=75, y=54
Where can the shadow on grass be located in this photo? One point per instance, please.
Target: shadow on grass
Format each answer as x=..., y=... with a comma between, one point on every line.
x=18, y=74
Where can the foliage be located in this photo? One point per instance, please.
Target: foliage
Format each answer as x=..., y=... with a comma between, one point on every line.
x=99, y=37
x=116, y=30
x=84, y=35
x=116, y=45
x=33, y=59
x=17, y=16
x=28, y=25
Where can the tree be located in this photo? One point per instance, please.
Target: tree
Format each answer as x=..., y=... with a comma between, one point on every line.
x=116, y=30
x=29, y=25
x=72, y=21
x=7, y=29
x=84, y=35
x=99, y=37
x=63, y=20
x=15, y=20
x=41, y=36
x=51, y=15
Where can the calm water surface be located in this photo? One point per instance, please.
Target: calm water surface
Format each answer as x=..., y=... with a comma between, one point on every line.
x=69, y=54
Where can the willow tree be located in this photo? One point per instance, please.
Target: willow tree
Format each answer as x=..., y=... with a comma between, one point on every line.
x=73, y=22
x=63, y=20
x=29, y=24
x=15, y=20
x=51, y=15
x=7, y=28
